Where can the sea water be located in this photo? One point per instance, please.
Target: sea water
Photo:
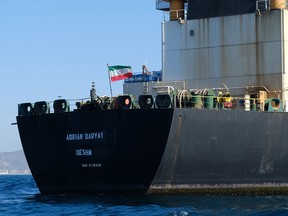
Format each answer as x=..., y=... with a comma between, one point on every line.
x=19, y=196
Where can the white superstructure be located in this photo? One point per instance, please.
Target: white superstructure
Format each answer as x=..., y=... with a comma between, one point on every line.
x=243, y=53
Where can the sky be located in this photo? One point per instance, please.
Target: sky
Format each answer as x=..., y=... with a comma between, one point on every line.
x=51, y=48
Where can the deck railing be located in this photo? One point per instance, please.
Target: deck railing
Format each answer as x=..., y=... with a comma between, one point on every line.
x=262, y=5
x=175, y=15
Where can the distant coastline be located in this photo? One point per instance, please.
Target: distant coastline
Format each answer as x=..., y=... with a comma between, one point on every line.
x=13, y=163
x=15, y=172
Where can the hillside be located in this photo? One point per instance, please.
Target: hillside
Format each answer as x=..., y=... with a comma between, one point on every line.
x=13, y=162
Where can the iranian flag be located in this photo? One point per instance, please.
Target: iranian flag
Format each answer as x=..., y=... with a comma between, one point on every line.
x=119, y=72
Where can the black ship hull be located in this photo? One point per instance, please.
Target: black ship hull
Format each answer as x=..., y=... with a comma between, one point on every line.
x=170, y=150
x=225, y=151
x=110, y=151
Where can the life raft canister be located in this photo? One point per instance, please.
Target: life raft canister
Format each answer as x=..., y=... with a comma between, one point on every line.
x=146, y=101
x=163, y=101
x=41, y=108
x=25, y=109
x=61, y=106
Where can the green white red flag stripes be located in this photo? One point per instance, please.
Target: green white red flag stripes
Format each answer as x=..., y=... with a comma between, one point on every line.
x=119, y=72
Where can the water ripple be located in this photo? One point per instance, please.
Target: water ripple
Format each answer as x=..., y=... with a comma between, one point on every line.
x=20, y=196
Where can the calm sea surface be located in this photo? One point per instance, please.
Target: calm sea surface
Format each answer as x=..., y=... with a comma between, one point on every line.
x=20, y=196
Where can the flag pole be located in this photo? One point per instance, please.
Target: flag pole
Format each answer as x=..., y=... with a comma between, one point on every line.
x=109, y=77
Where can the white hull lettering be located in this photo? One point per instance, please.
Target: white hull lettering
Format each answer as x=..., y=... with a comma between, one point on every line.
x=84, y=152
x=98, y=135
x=94, y=165
x=74, y=137
x=85, y=136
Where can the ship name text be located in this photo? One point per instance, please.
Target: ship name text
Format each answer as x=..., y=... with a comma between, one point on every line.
x=84, y=152
x=85, y=136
